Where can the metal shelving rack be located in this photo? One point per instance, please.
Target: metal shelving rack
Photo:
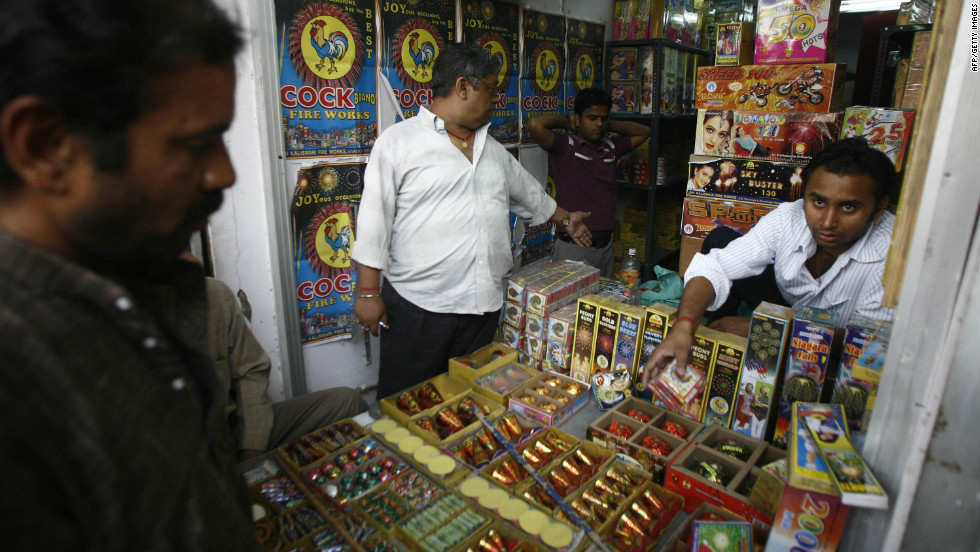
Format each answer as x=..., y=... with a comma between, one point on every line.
x=893, y=43
x=655, y=255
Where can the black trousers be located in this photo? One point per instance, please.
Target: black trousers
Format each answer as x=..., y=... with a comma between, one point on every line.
x=418, y=343
x=753, y=290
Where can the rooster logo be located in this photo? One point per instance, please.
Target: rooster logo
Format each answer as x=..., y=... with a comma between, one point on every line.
x=338, y=238
x=423, y=53
x=332, y=47
x=547, y=70
x=584, y=66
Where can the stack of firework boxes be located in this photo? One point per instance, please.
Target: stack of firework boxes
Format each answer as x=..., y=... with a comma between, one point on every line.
x=532, y=312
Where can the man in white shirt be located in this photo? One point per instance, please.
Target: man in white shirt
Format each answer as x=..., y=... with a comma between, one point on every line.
x=434, y=218
x=827, y=250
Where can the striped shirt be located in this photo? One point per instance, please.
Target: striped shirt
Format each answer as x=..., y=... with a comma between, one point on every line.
x=783, y=239
x=437, y=224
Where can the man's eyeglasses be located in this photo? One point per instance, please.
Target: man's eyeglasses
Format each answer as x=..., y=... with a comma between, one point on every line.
x=495, y=93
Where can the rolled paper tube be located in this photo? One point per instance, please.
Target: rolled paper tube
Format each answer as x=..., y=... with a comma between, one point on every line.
x=497, y=539
x=464, y=451
x=532, y=496
x=513, y=425
x=622, y=476
x=428, y=395
x=595, y=499
x=408, y=404
x=480, y=454
x=652, y=500
x=582, y=509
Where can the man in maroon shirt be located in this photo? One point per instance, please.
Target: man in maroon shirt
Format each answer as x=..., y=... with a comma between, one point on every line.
x=583, y=165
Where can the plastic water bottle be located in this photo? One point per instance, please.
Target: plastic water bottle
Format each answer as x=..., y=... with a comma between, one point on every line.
x=629, y=274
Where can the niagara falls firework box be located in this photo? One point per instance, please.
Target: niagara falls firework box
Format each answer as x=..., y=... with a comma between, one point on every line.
x=550, y=398
x=721, y=470
x=806, y=364
x=722, y=387
x=702, y=214
x=744, y=179
x=807, y=88
x=886, y=130
x=768, y=335
x=795, y=31
x=644, y=432
x=789, y=137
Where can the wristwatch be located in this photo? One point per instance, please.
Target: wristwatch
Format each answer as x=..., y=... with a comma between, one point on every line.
x=567, y=220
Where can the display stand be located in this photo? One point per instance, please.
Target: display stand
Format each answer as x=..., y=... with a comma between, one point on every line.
x=674, y=126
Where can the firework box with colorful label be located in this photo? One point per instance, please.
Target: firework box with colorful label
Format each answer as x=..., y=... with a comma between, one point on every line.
x=658, y=318
x=682, y=540
x=510, y=336
x=631, y=320
x=766, y=135
x=744, y=179
x=722, y=387
x=886, y=130
x=721, y=468
x=624, y=98
x=607, y=327
x=722, y=536
x=557, y=356
x=805, y=88
x=534, y=325
x=513, y=315
x=622, y=64
x=769, y=486
x=868, y=366
x=806, y=364
x=586, y=323
x=702, y=214
x=644, y=432
x=534, y=347
x=850, y=392
x=560, y=327
x=807, y=469
x=681, y=22
x=734, y=44
x=561, y=288
x=518, y=282
x=806, y=516
x=768, y=336
x=550, y=398
x=685, y=394
x=795, y=31
x=849, y=472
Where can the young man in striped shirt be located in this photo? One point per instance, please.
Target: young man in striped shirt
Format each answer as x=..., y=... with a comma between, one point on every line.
x=826, y=250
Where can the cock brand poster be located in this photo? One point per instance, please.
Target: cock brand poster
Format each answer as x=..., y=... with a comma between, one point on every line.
x=327, y=77
x=543, y=67
x=413, y=33
x=323, y=213
x=584, y=46
x=491, y=24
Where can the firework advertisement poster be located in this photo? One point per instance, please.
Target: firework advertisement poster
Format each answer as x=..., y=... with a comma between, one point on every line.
x=543, y=67
x=490, y=24
x=584, y=42
x=413, y=33
x=327, y=77
x=323, y=213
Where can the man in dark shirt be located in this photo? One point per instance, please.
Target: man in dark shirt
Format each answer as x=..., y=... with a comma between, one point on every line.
x=583, y=165
x=111, y=121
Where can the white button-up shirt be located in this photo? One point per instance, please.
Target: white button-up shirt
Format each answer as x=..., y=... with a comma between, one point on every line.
x=436, y=224
x=782, y=238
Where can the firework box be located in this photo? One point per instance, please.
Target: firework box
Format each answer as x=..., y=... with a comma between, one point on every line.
x=586, y=323
x=490, y=408
x=459, y=447
x=807, y=469
x=683, y=539
x=645, y=68
x=810, y=343
x=868, y=366
x=628, y=337
x=734, y=44
x=744, y=179
x=607, y=328
x=657, y=319
x=849, y=472
x=722, y=536
x=720, y=87
x=557, y=289
x=557, y=355
x=513, y=315
x=534, y=347
x=730, y=487
x=765, y=135
x=498, y=383
x=534, y=325
x=447, y=387
x=560, y=325
x=533, y=404
x=850, y=392
x=631, y=413
x=722, y=387
x=701, y=358
x=887, y=130
x=624, y=98
x=790, y=31
x=807, y=516
x=611, y=529
x=509, y=336
x=768, y=335
x=622, y=64
x=481, y=362
x=681, y=22
x=769, y=486
x=702, y=214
